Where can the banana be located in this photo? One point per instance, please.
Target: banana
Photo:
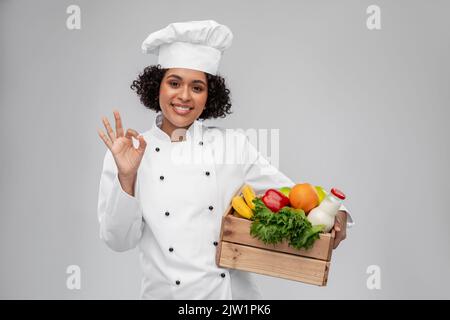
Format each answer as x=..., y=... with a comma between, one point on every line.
x=241, y=207
x=249, y=195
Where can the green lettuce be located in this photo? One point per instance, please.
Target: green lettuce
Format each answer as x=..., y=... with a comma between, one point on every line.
x=288, y=224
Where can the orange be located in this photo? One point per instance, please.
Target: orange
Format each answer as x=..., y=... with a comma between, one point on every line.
x=304, y=196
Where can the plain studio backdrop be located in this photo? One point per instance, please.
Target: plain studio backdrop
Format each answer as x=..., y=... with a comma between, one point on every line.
x=363, y=110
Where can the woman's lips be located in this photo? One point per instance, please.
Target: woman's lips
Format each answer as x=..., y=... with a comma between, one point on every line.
x=181, y=110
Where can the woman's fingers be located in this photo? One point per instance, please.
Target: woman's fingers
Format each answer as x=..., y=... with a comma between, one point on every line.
x=133, y=133
x=340, y=228
x=104, y=138
x=340, y=236
x=337, y=227
x=142, y=144
x=336, y=242
x=109, y=130
x=119, y=128
x=119, y=133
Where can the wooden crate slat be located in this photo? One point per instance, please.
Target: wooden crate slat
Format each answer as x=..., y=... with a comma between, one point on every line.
x=276, y=264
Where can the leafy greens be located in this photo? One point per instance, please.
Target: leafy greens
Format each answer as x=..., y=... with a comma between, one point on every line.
x=288, y=224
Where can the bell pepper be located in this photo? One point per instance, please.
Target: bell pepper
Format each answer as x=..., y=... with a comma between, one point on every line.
x=275, y=200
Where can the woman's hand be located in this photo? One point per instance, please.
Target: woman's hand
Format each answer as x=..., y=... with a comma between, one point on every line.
x=340, y=227
x=127, y=157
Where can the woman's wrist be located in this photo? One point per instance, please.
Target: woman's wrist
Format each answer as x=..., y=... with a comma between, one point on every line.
x=127, y=183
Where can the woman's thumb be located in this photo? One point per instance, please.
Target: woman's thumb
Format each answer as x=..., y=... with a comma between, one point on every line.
x=142, y=143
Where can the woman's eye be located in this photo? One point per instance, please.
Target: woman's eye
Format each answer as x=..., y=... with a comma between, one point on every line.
x=175, y=84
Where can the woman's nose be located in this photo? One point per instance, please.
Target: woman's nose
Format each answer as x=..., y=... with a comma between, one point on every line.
x=185, y=94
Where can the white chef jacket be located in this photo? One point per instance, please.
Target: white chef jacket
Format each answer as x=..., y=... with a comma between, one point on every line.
x=181, y=192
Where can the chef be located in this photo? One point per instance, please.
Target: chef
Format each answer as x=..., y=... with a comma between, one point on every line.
x=165, y=190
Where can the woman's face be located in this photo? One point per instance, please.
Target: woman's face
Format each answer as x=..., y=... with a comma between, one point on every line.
x=182, y=96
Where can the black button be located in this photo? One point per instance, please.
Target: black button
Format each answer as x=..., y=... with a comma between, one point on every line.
x=207, y=173
x=161, y=177
x=170, y=249
x=215, y=243
x=177, y=282
x=211, y=207
x=167, y=213
x=157, y=149
x=200, y=143
x=222, y=275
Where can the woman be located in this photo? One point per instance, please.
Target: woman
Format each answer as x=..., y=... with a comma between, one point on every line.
x=172, y=209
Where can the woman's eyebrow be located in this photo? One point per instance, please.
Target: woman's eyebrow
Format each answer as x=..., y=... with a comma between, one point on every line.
x=180, y=78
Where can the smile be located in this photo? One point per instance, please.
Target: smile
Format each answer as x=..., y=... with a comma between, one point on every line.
x=181, y=109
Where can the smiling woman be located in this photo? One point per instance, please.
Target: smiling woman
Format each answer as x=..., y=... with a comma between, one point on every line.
x=182, y=98
x=155, y=82
x=172, y=210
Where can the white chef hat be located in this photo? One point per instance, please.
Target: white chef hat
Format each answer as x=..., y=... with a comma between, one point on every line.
x=197, y=45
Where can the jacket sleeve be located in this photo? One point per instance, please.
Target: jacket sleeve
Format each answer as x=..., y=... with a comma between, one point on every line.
x=262, y=175
x=119, y=214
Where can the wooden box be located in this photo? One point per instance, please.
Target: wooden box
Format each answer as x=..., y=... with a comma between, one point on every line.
x=237, y=249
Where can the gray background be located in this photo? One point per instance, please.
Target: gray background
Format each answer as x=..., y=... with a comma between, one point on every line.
x=366, y=111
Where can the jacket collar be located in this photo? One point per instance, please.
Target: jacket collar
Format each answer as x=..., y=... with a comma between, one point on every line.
x=193, y=133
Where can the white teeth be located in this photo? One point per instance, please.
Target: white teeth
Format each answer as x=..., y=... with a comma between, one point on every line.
x=181, y=107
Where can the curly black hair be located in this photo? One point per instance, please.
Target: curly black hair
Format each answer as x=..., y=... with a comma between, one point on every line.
x=147, y=85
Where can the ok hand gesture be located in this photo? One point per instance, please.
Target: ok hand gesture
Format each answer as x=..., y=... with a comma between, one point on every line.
x=127, y=157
